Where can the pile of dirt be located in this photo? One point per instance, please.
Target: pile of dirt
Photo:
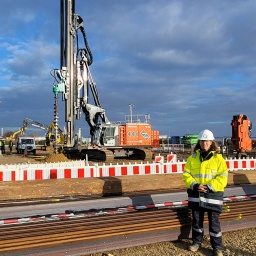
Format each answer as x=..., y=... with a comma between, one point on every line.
x=55, y=158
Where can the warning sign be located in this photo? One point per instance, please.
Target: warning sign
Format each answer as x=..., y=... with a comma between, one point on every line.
x=145, y=135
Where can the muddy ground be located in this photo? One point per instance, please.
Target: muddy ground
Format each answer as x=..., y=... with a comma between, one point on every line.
x=49, y=156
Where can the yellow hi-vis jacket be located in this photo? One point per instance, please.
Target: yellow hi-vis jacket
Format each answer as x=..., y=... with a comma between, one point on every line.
x=212, y=172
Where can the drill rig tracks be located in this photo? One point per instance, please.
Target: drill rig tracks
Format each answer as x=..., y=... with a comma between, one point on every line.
x=86, y=235
x=108, y=155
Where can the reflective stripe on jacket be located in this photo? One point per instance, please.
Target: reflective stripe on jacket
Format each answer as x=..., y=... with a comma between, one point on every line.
x=211, y=200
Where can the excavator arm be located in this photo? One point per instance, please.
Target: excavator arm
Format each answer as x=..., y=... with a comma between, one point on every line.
x=27, y=122
x=47, y=128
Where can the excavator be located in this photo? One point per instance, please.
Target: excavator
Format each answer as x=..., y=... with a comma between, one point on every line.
x=13, y=136
x=241, y=135
x=49, y=129
x=75, y=82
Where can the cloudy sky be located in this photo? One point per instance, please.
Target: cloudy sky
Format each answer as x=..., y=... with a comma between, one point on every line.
x=191, y=65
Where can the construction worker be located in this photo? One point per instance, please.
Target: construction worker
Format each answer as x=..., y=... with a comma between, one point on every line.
x=10, y=146
x=206, y=175
x=1, y=147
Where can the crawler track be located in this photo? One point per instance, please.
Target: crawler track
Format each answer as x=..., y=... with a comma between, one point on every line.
x=94, y=234
x=97, y=154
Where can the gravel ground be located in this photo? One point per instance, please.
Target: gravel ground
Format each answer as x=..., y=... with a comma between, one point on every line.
x=48, y=156
x=236, y=243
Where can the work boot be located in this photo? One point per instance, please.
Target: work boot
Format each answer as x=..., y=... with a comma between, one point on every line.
x=194, y=247
x=217, y=252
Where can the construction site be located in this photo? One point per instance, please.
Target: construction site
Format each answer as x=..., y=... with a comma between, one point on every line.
x=122, y=190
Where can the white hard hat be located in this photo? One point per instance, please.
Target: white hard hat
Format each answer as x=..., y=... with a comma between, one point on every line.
x=205, y=135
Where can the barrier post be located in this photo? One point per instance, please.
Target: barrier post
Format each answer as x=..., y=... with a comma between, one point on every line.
x=97, y=172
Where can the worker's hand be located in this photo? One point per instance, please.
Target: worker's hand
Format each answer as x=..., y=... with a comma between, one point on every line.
x=202, y=188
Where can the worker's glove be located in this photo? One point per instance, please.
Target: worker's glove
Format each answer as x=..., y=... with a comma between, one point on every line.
x=195, y=187
x=208, y=189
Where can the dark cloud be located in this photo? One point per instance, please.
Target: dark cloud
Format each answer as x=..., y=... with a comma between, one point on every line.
x=189, y=64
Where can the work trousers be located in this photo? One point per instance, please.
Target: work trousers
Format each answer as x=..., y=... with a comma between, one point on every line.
x=214, y=227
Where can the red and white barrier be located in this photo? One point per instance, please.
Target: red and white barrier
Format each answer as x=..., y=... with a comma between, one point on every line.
x=78, y=169
x=240, y=164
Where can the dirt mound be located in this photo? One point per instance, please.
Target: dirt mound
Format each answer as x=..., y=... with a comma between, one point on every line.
x=54, y=158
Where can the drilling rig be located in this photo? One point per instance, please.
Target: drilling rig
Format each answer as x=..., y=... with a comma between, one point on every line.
x=75, y=82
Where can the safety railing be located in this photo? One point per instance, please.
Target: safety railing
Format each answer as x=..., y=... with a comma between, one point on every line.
x=79, y=169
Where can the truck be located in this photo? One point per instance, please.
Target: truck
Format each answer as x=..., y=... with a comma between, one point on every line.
x=26, y=145
x=175, y=140
x=189, y=139
x=75, y=82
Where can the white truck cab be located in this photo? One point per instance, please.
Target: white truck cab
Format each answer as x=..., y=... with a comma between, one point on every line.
x=26, y=143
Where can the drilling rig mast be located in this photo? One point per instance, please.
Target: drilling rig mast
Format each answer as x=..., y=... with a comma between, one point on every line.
x=67, y=60
x=75, y=81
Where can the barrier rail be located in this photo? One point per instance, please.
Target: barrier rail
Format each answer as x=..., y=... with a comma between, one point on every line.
x=78, y=169
x=170, y=148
